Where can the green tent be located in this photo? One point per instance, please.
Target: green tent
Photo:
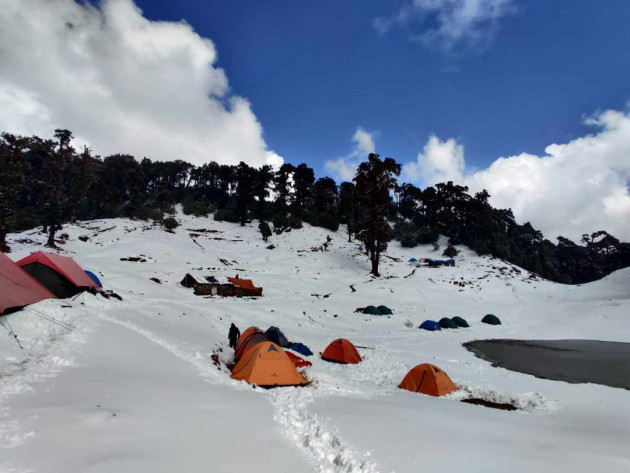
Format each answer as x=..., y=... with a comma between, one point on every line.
x=371, y=310
x=445, y=322
x=461, y=322
x=491, y=319
x=384, y=310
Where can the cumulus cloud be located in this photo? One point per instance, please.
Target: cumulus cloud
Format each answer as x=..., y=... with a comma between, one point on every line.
x=121, y=83
x=440, y=161
x=574, y=188
x=345, y=167
x=448, y=24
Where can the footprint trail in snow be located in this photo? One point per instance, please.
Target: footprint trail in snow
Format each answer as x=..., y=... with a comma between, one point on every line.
x=324, y=447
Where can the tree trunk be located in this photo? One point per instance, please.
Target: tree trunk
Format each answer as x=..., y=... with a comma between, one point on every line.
x=4, y=248
x=52, y=228
x=374, y=260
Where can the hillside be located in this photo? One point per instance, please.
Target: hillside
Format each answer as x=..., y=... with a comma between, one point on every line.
x=103, y=385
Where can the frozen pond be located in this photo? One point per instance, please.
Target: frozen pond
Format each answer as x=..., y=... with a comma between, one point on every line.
x=572, y=361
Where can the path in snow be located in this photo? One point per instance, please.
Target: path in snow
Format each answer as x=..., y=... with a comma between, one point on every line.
x=130, y=405
x=325, y=448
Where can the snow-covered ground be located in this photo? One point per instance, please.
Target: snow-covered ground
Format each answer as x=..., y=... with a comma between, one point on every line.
x=109, y=386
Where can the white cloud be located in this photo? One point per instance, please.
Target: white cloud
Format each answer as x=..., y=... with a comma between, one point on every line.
x=575, y=188
x=439, y=162
x=346, y=167
x=121, y=83
x=449, y=24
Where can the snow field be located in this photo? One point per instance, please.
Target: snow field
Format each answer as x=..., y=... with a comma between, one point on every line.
x=147, y=360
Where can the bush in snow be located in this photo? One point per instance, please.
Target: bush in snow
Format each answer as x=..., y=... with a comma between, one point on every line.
x=450, y=251
x=170, y=223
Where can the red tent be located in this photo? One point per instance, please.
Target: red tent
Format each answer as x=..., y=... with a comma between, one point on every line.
x=17, y=287
x=59, y=274
x=341, y=351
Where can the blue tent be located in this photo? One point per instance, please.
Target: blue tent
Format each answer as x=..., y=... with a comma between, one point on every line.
x=430, y=325
x=94, y=278
x=413, y=260
x=301, y=349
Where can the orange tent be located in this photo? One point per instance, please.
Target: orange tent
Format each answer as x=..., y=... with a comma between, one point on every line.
x=341, y=351
x=267, y=365
x=428, y=379
x=244, y=284
x=245, y=335
x=248, y=339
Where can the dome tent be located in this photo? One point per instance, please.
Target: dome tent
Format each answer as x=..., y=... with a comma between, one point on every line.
x=249, y=338
x=275, y=335
x=371, y=310
x=341, y=351
x=430, y=325
x=428, y=379
x=445, y=322
x=461, y=322
x=384, y=310
x=491, y=319
x=17, y=287
x=268, y=365
x=94, y=278
x=59, y=274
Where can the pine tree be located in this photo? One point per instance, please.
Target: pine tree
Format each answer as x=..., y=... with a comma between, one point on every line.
x=375, y=180
x=244, y=190
x=13, y=168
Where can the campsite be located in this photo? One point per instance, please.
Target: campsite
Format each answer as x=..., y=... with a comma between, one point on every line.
x=387, y=236
x=109, y=366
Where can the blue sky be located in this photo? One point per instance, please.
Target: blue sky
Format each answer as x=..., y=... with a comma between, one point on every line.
x=526, y=99
x=314, y=71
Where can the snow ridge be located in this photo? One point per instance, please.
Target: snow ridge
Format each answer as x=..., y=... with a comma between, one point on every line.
x=325, y=448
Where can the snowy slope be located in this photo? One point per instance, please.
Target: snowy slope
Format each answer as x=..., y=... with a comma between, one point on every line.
x=105, y=385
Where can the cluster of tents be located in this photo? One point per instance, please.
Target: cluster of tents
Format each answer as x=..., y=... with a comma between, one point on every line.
x=41, y=276
x=261, y=359
x=433, y=263
x=456, y=322
x=376, y=310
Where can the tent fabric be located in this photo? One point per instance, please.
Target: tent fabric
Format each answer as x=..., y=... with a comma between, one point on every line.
x=299, y=362
x=445, y=322
x=65, y=266
x=341, y=351
x=59, y=274
x=413, y=260
x=301, y=349
x=244, y=284
x=430, y=325
x=268, y=365
x=275, y=335
x=491, y=319
x=252, y=338
x=460, y=321
x=371, y=310
x=17, y=287
x=248, y=332
x=428, y=379
x=94, y=278
x=60, y=286
x=383, y=309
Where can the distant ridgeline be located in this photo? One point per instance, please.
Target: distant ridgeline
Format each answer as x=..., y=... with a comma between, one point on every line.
x=47, y=182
